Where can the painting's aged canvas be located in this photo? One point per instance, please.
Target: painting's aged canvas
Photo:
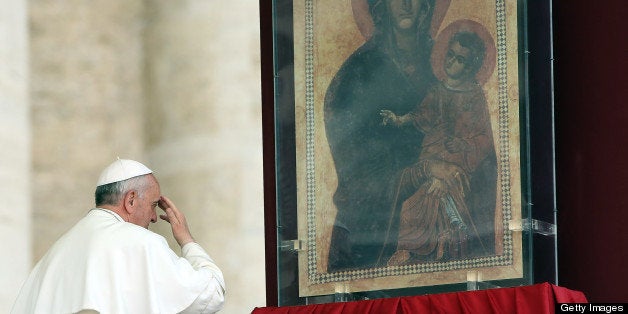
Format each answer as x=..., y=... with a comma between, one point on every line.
x=408, y=143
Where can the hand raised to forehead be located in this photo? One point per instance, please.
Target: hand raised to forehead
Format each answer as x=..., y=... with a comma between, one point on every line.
x=177, y=221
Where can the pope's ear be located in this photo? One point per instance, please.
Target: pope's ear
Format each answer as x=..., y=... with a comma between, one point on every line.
x=129, y=201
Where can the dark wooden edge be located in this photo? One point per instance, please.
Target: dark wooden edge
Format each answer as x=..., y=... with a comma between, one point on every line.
x=541, y=160
x=268, y=135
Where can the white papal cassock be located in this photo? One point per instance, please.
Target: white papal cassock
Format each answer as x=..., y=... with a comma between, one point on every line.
x=112, y=266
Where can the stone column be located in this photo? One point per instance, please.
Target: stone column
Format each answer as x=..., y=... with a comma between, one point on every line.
x=204, y=131
x=15, y=211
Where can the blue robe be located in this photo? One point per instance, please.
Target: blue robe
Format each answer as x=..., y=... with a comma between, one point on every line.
x=367, y=155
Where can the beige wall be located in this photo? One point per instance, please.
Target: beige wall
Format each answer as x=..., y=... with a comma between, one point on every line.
x=15, y=261
x=174, y=84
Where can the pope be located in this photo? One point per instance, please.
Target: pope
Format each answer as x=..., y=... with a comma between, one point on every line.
x=109, y=262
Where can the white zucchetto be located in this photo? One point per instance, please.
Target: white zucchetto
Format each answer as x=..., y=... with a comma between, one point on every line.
x=120, y=170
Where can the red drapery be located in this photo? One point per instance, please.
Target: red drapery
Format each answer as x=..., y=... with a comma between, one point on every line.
x=534, y=299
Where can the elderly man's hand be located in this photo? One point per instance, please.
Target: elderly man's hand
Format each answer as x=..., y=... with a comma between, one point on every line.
x=177, y=221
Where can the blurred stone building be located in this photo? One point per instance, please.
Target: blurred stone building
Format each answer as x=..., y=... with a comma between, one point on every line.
x=174, y=84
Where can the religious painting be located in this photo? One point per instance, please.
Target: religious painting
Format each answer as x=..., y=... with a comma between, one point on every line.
x=407, y=143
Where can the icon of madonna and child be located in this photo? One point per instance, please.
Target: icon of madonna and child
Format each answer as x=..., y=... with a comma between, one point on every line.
x=409, y=129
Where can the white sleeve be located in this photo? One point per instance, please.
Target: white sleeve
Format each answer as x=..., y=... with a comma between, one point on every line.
x=212, y=298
